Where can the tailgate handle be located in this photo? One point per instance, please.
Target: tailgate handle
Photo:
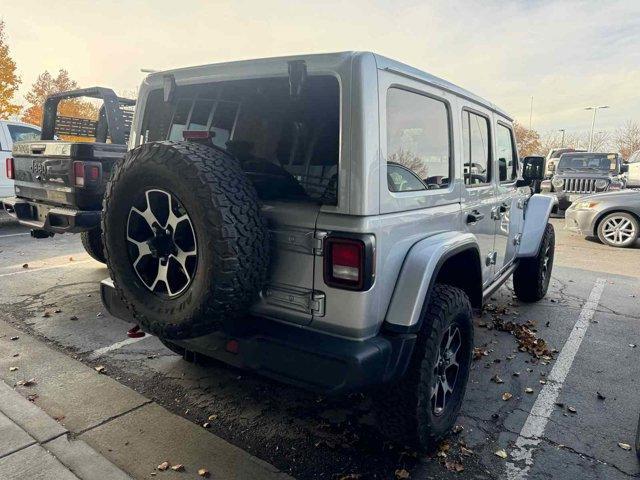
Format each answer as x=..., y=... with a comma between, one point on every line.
x=37, y=148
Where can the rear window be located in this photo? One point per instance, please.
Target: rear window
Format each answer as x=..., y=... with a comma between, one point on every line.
x=288, y=147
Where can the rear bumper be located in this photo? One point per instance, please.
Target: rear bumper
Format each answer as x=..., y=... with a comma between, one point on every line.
x=49, y=218
x=295, y=355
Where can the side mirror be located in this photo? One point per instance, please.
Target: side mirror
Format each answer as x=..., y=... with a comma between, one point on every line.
x=524, y=182
x=624, y=168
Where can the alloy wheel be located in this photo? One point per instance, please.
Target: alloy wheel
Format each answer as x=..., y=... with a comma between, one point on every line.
x=446, y=369
x=161, y=242
x=618, y=231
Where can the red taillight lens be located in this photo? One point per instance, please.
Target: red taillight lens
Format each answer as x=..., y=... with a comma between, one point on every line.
x=196, y=135
x=92, y=173
x=10, y=168
x=346, y=263
x=86, y=174
x=78, y=174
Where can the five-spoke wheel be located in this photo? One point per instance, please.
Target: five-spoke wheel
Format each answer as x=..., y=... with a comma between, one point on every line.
x=162, y=243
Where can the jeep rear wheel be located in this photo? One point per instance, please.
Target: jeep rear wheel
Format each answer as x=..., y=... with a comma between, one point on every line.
x=187, y=248
x=532, y=275
x=422, y=407
x=92, y=243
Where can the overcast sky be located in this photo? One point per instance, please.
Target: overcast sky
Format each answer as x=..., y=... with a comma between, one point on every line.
x=567, y=54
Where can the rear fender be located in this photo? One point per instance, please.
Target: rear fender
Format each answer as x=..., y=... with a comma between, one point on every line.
x=536, y=217
x=417, y=277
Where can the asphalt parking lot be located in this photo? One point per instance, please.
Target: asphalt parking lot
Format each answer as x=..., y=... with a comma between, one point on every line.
x=565, y=418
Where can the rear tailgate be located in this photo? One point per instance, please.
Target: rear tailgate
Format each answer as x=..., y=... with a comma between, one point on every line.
x=44, y=171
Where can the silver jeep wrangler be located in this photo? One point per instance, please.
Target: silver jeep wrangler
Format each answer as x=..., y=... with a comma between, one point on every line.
x=325, y=220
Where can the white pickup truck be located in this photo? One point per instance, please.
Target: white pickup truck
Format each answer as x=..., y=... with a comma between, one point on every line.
x=11, y=132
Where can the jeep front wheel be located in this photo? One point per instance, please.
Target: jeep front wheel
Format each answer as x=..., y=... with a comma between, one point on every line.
x=532, y=275
x=422, y=407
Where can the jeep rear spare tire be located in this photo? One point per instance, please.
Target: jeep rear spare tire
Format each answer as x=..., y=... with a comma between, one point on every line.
x=186, y=245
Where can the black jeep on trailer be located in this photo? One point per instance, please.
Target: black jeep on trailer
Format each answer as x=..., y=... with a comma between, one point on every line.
x=59, y=185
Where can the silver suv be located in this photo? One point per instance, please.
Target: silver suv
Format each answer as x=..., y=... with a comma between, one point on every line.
x=326, y=220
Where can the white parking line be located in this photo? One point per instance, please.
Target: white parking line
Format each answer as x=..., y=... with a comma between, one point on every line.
x=14, y=235
x=101, y=351
x=531, y=433
x=31, y=270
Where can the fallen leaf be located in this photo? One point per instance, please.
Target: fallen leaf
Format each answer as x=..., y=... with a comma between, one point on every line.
x=496, y=379
x=57, y=310
x=178, y=468
x=26, y=265
x=26, y=383
x=457, y=428
x=99, y=314
x=402, y=474
x=528, y=390
x=14, y=338
x=624, y=446
x=163, y=466
x=572, y=409
x=212, y=417
x=32, y=397
x=600, y=396
x=466, y=451
x=15, y=355
x=632, y=345
x=506, y=396
x=101, y=369
x=203, y=472
x=543, y=382
x=13, y=369
x=453, y=466
x=500, y=453
x=71, y=259
x=206, y=424
x=516, y=374
x=73, y=317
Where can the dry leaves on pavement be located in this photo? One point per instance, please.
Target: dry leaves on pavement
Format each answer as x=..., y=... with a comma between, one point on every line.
x=402, y=474
x=500, y=453
x=507, y=396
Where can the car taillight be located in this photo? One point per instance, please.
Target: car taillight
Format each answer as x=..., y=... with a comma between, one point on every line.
x=86, y=174
x=78, y=174
x=10, y=168
x=348, y=262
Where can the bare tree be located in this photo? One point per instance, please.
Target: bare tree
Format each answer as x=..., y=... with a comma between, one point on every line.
x=626, y=139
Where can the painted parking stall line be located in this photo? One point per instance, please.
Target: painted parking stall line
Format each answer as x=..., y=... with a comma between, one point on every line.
x=14, y=235
x=32, y=270
x=531, y=434
x=101, y=351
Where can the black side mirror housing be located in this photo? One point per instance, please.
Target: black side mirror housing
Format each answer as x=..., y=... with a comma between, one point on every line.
x=624, y=168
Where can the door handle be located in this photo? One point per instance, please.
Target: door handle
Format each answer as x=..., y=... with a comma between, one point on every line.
x=503, y=208
x=474, y=216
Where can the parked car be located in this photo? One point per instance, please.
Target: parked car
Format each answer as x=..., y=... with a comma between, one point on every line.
x=309, y=218
x=580, y=174
x=633, y=175
x=11, y=132
x=553, y=157
x=59, y=185
x=612, y=217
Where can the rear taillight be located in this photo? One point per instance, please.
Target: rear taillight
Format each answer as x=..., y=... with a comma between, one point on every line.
x=86, y=174
x=348, y=262
x=10, y=168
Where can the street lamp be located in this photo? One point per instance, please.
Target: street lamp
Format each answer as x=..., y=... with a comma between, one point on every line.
x=562, y=141
x=593, y=121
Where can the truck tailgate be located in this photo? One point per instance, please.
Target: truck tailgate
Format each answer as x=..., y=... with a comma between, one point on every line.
x=44, y=171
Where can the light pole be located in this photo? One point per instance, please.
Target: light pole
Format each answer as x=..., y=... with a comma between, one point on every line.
x=562, y=141
x=593, y=122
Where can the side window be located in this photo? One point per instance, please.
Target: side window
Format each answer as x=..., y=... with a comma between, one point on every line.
x=418, y=146
x=476, y=149
x=21, y=133
x=507, y=159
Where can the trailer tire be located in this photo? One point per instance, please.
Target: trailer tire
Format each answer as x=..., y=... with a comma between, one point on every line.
x=92, y=243
x=187, y=247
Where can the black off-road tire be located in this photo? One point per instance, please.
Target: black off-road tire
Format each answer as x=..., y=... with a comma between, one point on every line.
x=231, y=237
x=532, y=275
x=92, y=243
x=404, y=410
